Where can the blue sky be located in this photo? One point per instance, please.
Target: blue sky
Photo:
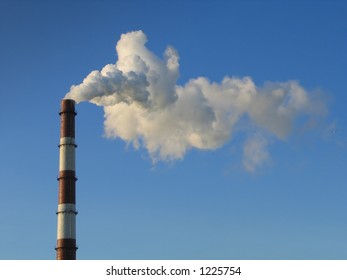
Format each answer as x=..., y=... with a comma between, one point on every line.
x=206, y=205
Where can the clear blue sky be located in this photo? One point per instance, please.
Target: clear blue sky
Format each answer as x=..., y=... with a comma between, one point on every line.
x=206, y=206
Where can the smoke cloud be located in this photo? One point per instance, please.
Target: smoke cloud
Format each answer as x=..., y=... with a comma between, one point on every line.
x=145, y=107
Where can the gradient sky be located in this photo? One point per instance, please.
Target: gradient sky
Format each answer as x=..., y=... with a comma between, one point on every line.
x=206, y=206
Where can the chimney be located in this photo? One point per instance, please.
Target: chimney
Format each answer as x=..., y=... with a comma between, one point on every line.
x=66, y=230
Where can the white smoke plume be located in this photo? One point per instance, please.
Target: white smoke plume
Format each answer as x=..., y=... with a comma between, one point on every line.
x=144, y=106
x=255, y=152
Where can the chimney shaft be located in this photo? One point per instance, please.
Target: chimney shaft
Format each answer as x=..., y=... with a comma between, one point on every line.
x=66, y=229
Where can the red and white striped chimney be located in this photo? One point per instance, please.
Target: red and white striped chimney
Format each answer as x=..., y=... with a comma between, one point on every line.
x=66, y=233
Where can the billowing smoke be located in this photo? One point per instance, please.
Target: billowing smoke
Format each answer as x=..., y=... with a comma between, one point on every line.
x=144, y=105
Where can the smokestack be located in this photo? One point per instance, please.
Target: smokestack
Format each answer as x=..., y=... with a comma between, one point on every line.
x=66, y=230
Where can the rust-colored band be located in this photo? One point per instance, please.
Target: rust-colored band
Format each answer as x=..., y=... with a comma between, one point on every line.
x=67, y=174
x=67, y=187
x=66, y=249
x=67, y=118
